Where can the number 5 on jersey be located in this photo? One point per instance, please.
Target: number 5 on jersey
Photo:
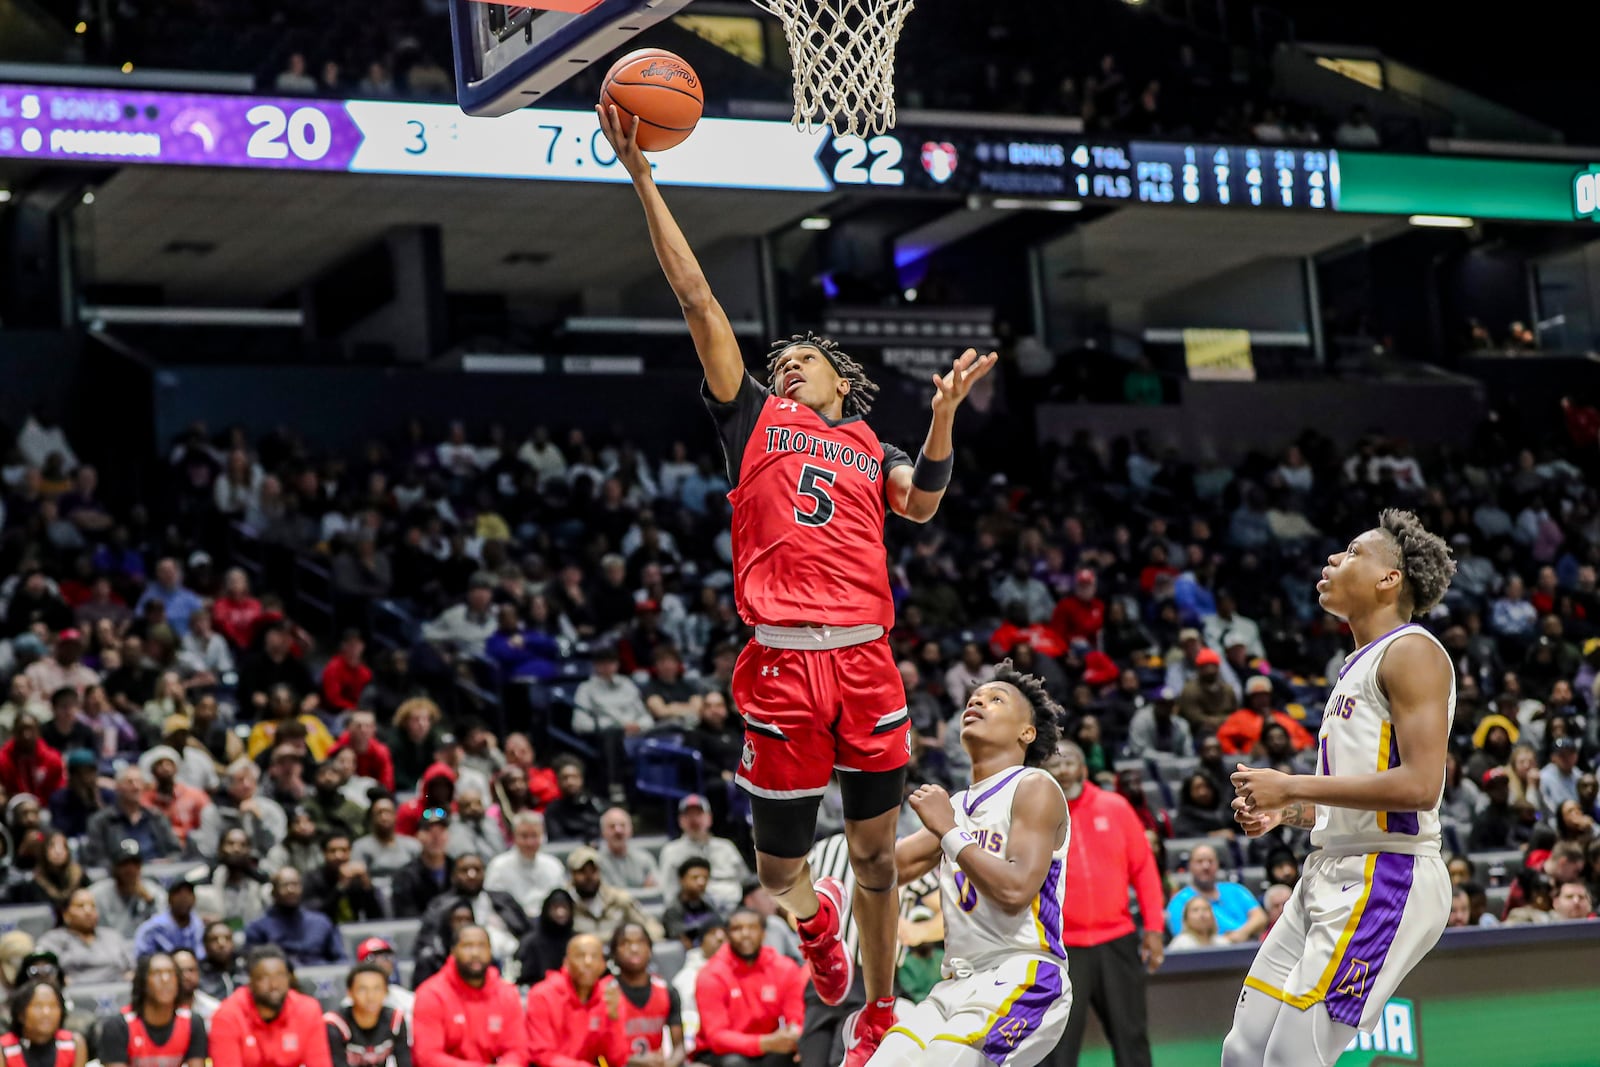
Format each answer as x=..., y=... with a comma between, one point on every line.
x=813, y=483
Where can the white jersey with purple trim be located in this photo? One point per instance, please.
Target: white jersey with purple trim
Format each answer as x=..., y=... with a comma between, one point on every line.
x=1357, y=737
x=976, y=930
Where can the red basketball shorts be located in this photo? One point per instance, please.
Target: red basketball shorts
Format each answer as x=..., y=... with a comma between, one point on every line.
x=808, y=712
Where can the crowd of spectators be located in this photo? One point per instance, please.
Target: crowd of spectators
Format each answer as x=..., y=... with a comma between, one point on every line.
x=318, y=763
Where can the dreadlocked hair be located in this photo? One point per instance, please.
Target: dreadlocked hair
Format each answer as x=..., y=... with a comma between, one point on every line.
x=863, y=390
x=1046, y=712
x=1423, y=558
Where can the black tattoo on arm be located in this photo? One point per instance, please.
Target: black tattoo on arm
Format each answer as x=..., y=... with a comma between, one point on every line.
x=1300, y=815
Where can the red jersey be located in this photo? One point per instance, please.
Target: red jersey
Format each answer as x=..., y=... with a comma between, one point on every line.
x=644, y=1024
x=143, y=1051
x=809, y=502
x=66, y=1049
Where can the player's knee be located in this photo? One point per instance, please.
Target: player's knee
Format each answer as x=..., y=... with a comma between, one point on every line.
x=873, y=863
x=1241, y=1049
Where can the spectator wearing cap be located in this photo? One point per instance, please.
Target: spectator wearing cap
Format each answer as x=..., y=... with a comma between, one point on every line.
x=1080, y=615
x=74, y=804
x=465, y=628
x=379, y=951
x=428, y=875
x=1240, y=733
x=609, y=708
x=373, y=759
x=127, y=898
x=1558, y=781
x=621, y=861
x=27, y=764
x=268, y=1023
x=88, y=952
x=183, y=805
x=690, y=914
x=526, y=872
x=169, y=590
x=346, y=676
x=1155, y=729
x=575, y=814
x=128, y=819
x=598, y=908
x=1206, y=700
x=64, y=667
x=308, y=938
x=241, y=806
x=177, y=926
x=728, y=869
x=1498, y=825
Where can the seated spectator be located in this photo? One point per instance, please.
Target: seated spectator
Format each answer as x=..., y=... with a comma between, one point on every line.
x=183, y=805
x=366, y=1029
x=608, y=708
x=728, y=869
x=1538, y=900
x=779, y=935
x=373, y=759
x=474, y=829
x=221, y=969
x=236, y=888
x=1357, y=131
x=687, y=917
x=293, y=78
x=128, y=819
x=204, y=656
x=126, y=899
x=1572, y=903
x=363, y=572
x=56, y=875
x=274, y=665
x=156, y=1021
x=382, y=850
x=38, y=1022
x=522, y=652
x=331, y=811
x=299, y=850
x=542, y=785
x=543, y=950
x=413, y=740
x=1082, y=615
x=379, y=952
x=281, y=709
x=341, y=889
x=496, y=911
x=88, y=952
x=1240, y=733
x=599, y=908
x=1199, y=928
x=671, y=699
x=694, y=962
x=1274, y=899
x=650, y=1010
x=428, y=875
x=236, y=613
x=1558, y=781
x=622, y=862
x=465, y=628
x=575, y=814
x=467, y=1013
x=1155, y=729
x=436, y=790
x=63, y=669
x=749, y=998
x=346, y=676
x=27, y=764
x=168, y=588
x=1498, y=825
x=268, y=1023
x=178, y=926
x=574, y=1014
x=307, y=938
x=525, y=872
x=1239, y=917
x=74, y=804
x=1206, y=700
x=241, y=806
x=22, y=698
x=1202, y=810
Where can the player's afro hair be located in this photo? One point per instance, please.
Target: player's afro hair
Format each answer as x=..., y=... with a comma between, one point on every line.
x=1046, y=712
x=863, y=390
x=1422, y=557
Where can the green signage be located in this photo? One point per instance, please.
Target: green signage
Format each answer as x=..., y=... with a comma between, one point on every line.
x=1529, y=190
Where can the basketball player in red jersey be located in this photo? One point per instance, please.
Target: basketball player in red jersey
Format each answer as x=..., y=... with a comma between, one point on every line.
x=818, y=688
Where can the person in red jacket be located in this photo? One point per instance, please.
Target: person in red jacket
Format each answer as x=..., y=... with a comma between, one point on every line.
x=751, y=999
x=373, y=759
x=467, y=1015
x=1080, y=615
x=436, y=790
x=267, y=1023
x=28, y=765
x=236, y=613
x=574, y=1014
x=1106, y=957
x=346, y=676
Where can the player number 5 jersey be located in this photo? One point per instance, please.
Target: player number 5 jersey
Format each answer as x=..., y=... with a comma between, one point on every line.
x=977, y=930
x=1357, y=737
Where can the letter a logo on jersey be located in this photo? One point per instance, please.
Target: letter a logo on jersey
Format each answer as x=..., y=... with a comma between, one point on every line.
x=1354, y=982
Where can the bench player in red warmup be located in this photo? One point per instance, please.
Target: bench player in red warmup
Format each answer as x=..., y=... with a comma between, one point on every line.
x=818, y=688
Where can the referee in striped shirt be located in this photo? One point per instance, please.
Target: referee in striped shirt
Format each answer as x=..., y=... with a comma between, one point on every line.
x=822, y=1038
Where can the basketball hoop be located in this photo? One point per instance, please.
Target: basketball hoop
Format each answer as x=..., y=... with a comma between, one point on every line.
x=843, y=53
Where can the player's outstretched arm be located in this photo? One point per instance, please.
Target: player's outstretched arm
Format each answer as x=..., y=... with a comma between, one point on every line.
x=915, y=856
x=1011, y=882
x=714, y=340
x=1416, y=676
x=914, y=493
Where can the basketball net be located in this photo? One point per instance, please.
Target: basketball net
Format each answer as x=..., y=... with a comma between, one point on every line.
x=843, y=53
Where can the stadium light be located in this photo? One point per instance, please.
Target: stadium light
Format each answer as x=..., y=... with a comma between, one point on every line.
x=1443, y=222
x=816, y=222
x=81, y=28
x=1006, y=203
x=5, y=196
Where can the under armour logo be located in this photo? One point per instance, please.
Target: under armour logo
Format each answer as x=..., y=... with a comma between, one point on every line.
x=788, y=405
x=769, y=672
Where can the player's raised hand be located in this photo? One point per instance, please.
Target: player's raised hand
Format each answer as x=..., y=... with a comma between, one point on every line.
x=1263, y=789
x=1255, y=823
x=933, y=807
x=623, y=133
x=952, y=388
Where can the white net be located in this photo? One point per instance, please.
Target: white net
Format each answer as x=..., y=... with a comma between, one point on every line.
x=843, y=53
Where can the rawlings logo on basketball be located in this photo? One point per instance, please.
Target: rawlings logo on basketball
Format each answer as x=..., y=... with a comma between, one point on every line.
x=939, y=159
x=669, y=71
x=747, y=759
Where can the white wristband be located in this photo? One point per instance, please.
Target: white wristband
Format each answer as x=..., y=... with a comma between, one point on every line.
x=954, y=841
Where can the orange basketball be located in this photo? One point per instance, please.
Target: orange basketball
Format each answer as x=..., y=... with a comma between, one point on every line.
x=661, y=89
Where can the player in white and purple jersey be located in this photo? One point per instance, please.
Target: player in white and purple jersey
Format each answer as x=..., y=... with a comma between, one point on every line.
x=1001, y=850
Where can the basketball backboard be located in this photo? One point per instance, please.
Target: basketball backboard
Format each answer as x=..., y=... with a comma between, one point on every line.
x=508, y=56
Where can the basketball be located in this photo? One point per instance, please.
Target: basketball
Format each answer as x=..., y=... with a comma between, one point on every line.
x=662, y=90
